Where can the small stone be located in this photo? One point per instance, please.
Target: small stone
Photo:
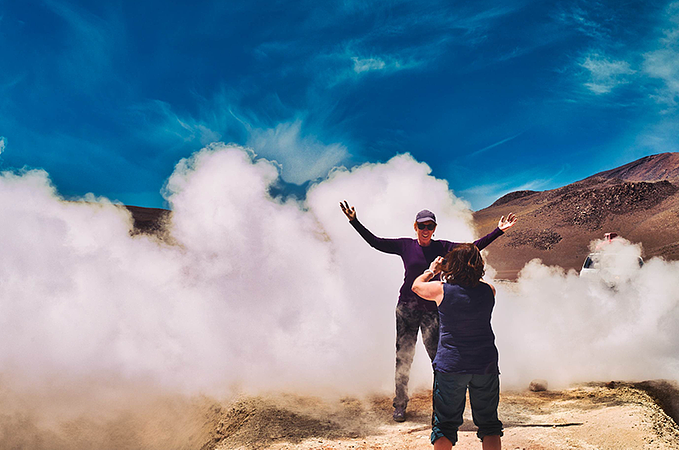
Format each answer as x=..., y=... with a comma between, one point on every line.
x=538, y=385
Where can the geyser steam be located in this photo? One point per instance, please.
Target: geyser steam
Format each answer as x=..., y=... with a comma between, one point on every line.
x=618, y=324
x=254, y=293
x=258, y=293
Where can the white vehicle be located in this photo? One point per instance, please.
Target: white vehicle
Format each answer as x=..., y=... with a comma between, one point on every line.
x=613, y=261
x=610, y=267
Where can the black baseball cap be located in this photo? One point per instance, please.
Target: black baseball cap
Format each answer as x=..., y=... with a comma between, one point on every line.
x=425, y=216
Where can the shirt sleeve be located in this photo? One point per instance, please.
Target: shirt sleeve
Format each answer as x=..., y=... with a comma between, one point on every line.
x=480, y=243
x=392, y=246
x=487, y=239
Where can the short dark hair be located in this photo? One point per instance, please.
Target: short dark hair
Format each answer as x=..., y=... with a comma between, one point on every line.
x=463, y=265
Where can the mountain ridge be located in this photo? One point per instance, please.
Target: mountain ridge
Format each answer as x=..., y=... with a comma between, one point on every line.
x=639, y=201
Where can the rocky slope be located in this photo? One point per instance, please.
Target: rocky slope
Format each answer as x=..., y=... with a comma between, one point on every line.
x=639, y=201
x=663, y=166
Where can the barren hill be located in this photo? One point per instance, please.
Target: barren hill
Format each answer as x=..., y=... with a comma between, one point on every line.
x=663, y=166
x=639, y=201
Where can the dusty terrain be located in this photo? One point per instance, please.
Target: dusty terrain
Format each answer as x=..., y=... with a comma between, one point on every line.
x=612, y=416
x=593, y=416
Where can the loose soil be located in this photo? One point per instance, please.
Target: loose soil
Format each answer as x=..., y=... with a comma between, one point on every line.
x=595, y=416
x=592, y=416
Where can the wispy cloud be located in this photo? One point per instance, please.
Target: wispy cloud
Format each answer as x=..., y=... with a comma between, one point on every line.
x=384, y=64
x=353, y=68
x=90, y=44
x=295, y=144
x=663, y=63
x=157, y=122
x=302, y=156
x=590, y=19
x=605, y=74
x=483, y=195
x=386, y=38
x=3, y=144
x=661, y=137
x=370, y=64
x=478, y=152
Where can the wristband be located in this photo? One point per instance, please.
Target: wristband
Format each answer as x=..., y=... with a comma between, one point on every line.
x=431, y=272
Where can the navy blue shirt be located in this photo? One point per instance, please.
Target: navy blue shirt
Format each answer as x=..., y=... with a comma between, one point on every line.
x=466, y=338
x=415, y=259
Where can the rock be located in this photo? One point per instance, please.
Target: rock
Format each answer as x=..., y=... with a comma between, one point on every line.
x=538, y=385
x=542, y=240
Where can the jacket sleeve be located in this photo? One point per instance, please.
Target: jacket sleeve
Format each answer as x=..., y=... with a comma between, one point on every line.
x=487, y=239
x=392, y=246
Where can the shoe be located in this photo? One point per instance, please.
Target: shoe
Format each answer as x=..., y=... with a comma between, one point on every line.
x=399, y=414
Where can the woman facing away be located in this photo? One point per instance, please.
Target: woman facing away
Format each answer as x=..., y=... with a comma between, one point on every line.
x=466, y=356
x=412, y=312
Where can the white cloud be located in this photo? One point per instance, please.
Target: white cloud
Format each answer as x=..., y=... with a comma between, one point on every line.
x=369, y=64
x=385, y=63
x=663, y=63
x=3, y=144
x=261, y=294
x=594, y=20
x=577, y=329
x=157, y=122
x=349, y=65
x=257, y=287
x=605, y=74
x=300, y=152
x=302, y=157
x=253, y=291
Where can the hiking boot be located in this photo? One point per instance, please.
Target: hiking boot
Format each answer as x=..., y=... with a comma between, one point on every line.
x=399, y=414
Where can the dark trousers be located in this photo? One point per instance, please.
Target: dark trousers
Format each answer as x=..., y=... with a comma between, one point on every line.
x=408, y=323
x=450, y=396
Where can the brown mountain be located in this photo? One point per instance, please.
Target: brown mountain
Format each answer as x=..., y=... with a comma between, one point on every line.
x=664, y=166
x=148, y=220
x=639, y=201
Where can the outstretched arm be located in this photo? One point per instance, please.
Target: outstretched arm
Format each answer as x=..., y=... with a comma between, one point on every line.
x=502, y=225
x=392, y=246
x=430, y=290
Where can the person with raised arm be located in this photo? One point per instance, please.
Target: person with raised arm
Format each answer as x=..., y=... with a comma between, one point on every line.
x=414, y=313
x=466, y=357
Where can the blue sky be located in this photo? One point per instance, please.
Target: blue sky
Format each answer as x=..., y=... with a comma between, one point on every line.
x=495, y=96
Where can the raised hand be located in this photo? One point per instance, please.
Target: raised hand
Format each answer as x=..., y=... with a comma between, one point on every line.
x=436, y=265
x=348, y=211
x=505, y=224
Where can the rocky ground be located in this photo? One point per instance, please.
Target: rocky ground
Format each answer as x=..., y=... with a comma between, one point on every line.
x=594, y=416
x=591, y=416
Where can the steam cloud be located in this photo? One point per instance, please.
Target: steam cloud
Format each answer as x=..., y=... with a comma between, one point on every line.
x=619, y=324
x=258, y=293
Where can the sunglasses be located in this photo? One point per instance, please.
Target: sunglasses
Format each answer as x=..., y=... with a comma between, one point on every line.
x=422, y=226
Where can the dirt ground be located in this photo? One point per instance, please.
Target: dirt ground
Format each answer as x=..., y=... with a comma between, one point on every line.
x=592, y=416
x=613, y=416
